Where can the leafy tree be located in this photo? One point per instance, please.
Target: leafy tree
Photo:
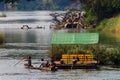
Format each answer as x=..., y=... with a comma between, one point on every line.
x=37, y=4
x=102, y=8
x=8, y=1
x=1, y=39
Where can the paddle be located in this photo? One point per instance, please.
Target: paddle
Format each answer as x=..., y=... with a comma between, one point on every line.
x=72, y=66
x=25, y=58
x=17, y=62
x=73, y=63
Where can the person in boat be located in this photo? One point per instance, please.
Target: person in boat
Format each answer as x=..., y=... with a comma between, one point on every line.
x=47, y=64
x=43, y=63
x=61, y=61
x=29, y=62
x=74, y=61
x=53, y=66
x=78, y=59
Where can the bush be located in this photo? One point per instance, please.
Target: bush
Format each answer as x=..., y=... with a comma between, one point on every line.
x=108, y=56
x=3, y=14
x=105, y=55
x=56, y=51
x=1, y=39
x=90, y=17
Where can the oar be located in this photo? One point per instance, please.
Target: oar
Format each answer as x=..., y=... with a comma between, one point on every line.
x=17, y=62
x=72, y=66
x=73, y=63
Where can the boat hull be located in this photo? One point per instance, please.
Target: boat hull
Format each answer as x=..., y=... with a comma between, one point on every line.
x=39, y=68
x=77, y=66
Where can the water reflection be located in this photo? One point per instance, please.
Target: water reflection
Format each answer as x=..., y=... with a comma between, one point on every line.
x=34, y=42
x=22, y=42
x=28, y=36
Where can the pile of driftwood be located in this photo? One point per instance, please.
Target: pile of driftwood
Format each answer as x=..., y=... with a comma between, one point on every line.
x=70, y=19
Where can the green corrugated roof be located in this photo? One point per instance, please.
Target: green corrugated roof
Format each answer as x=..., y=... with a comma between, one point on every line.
x=75, y=38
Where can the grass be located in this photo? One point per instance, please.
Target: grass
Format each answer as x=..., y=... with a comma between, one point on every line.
x=1, y=39
x=110, y=28
x=109, y=25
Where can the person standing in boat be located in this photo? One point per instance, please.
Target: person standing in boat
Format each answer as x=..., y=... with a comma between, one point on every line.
x=29, y=62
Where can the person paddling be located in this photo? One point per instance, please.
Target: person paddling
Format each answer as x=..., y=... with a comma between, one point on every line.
x=29, y=62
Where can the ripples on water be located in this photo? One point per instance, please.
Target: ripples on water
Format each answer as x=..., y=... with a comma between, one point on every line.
x=17, y=19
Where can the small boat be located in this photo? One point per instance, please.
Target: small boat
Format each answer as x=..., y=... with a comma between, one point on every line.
x=39, y=68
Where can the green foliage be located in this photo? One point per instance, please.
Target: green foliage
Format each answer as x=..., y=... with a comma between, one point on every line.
x=107, y=25
x=3, y=14
x=1, y=39
x=37, y=4
x=57, y=50
x=104, y=55
x=8, y=1
x=90, y=17
x=102, y=25
x=108, y=56
x=102, y=8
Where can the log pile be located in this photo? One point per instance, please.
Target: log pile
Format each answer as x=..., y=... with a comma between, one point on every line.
x=70, y=19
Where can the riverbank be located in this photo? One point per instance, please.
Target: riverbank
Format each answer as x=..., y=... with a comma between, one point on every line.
x=3, y=14
x=2, y=39
x=108, y=50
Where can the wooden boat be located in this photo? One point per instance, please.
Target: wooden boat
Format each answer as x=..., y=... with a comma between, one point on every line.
x=83, y=61
x=39, y=68
x=77, y=66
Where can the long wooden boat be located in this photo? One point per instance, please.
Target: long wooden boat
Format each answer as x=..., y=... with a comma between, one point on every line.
x=77, y=66
x=82, y=61
x=39, y=68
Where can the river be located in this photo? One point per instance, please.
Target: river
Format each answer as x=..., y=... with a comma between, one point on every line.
x=36, y=42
